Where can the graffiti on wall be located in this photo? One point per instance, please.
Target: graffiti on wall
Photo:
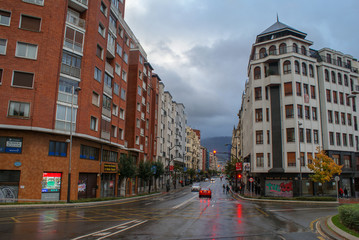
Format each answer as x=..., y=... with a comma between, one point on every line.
x=8, y=193
x=279, y=188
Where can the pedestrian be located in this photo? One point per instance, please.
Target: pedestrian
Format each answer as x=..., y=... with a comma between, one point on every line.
x=168, y=187
x=341, y=192
x=227, y=189
x=345, y=192
x=224, y=188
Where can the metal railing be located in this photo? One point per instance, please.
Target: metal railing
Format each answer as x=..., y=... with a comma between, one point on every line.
x=37, y=2
x=281, y=51
x=70, y=70
x=76, y=20
x=340, y=63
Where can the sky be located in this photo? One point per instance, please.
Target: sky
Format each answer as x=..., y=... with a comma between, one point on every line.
x=200, y=48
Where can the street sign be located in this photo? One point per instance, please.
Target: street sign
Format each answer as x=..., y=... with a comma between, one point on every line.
x=251, y=179
x=171, y=168
x=153, y=169
x=239, y=166
x=337, y=178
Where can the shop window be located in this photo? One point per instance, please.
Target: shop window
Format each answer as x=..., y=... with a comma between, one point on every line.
x=58, y=149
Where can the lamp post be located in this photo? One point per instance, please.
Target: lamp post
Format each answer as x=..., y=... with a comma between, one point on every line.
x=169, y=161
x=77, y=89
x=300, y=161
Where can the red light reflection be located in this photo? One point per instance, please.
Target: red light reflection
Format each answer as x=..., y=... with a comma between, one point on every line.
x=239, y=213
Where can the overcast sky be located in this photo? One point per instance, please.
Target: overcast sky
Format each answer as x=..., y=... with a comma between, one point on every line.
x=200, y=48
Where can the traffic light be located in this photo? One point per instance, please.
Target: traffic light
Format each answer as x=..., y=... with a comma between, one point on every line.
x=239, y=176
x=214, y=152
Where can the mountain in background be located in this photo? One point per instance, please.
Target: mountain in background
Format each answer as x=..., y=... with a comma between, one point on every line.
x=218, y=144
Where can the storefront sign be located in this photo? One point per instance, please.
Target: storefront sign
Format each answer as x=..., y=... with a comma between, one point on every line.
x=10, y=145
x=51, y=182
x=247, y=166
x=109, y=167
x=279, y=188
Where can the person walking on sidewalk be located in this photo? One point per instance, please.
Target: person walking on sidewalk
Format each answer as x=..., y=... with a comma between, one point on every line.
x=227, y=189
x=224, y=188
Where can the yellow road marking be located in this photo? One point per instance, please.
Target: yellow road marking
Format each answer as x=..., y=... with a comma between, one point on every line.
x=15, y=220
x=312, y=224
x=261, y=211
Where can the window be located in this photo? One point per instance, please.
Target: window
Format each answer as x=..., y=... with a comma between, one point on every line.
x=343, y=118
x=336, y=117
x=307, y=112
x=125, y=57
x=258, y=93
x=95, y=99
x=71, y=64
x=331, y=138
x=118, y=69
x=296, y=67
x=103, y=8
x=300, y=111
x=259, y=115
x=30, y=23
x=351, y=142
x=101, y=30
x=301, y=134
x=262, y=53
x=314, y=114
x=289, y=111
x=333, y=77
x=109, y=156
x=326, y=73
x=19, y=109
x=257, y=73
x=311, y=71
x=120, y=133
x=302, y=159
x=290, y=135
x=308, y=134
x=315, y=136
x=268, y=137
x=139, y=107
x=304, y=69
x=106, y=102
x=267, y=114
x=139, y=90
x=73, y=39
x=124, y=76
x=341, y=98
x=137, y=140
x=272, y=50
x=87, y=152
x=63, y=117
x=119, y=50
x=3, y=43
x=335, y=97
x=22, y=79
x=259, y=137
x=37, y=2
x=346, y=80
x=349, y=119
x=5, y=18
x=108, y=80
x=99, y=51
x=123, y=94
x=303, y=50
x=329, y=99
x=116, y=89
x=260, y=160
x=114, y=109
x=122, y=114
x=288, y=89
x=345, y=140
x=287, y=67
x=310, y=158
x=113, y=131
x=282, y=48
x=312, y=92
x=26, y=50
x=338, y=139
x=329, y=58
x=98, y=74
x=347, y=161
x=291, y=161
x=340, y=81
x=58, y=149
x=299, y=88
x=295, y=48
x=1, y=71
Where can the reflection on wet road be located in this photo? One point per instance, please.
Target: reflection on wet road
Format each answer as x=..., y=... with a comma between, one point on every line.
x=175, y=215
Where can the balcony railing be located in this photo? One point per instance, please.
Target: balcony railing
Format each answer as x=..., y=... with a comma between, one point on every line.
x=112, y=29
x=78, y=22
x=71, y=44
x=339, y=63
x=109, y=68
x=282, y=51
x=66, y=97
x=110, y=50
x=107, y=89
x=37, y=2
x=70, y=70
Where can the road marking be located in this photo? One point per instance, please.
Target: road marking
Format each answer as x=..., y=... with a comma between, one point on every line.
x=15, y=220
x=312, y=224
x=297, y=209
x=318, y=229
x=148, y=203
x=122, y=230
x=185, y=202
x=91, y=234
x=263, y=212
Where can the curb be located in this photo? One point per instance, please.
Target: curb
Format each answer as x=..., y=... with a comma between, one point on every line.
x=338, y=231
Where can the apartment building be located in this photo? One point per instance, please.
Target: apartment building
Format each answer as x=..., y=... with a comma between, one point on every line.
x=70, y=75
x=297, y=99
x=193, y=149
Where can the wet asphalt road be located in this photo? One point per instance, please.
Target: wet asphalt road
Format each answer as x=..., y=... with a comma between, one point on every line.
x=176, y=215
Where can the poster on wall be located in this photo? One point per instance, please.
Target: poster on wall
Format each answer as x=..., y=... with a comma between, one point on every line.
x=279, y=188
x=51, y=182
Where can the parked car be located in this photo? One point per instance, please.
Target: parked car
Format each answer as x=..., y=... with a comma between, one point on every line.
x=212, y=180
x=205, y=192
x=206, y=180
x=196, y=187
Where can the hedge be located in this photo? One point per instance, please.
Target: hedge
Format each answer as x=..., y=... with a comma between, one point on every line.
x=349, y=216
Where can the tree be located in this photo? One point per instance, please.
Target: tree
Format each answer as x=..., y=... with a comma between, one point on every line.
x=145, y=172
x=323, y=167
x=160, y=170
x=127, y=168
x=191, y=172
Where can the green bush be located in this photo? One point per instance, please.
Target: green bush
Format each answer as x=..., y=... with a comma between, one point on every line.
x=349, y=216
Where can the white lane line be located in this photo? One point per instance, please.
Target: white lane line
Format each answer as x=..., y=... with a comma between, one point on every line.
x=298, y=209
x=185, y=202
x=103, y=230
x=148, y=203
x=122, y=230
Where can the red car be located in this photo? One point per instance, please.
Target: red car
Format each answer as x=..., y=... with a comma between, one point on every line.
x=205, y=192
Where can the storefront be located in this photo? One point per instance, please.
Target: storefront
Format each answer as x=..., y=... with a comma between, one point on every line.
x=87, y=185
x=108, y=180
x=9, y=185
x=51, y=186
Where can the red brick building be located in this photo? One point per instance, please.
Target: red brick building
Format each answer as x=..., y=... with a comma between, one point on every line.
x=63, y=60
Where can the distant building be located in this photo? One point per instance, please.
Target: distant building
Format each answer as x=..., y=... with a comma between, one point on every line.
x=296, y=99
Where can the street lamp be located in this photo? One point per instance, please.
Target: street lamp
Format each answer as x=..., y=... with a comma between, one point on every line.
x=169, y=172
x=300, y=160
x=77, y=89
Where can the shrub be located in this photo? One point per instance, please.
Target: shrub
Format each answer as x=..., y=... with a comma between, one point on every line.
x=349, y=216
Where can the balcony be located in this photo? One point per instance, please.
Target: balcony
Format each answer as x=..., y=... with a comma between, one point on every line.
x=110, y=53
x=79, y=5
x=74, y=46
x=106, y=112
x=108, y=90
x=112, y=29
x=273, y=80
x=105, y=135
x=37, y=2
x=74, y=20
x=70, y=70
x=109, y=69
x=115, y=11
x=66, y=97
